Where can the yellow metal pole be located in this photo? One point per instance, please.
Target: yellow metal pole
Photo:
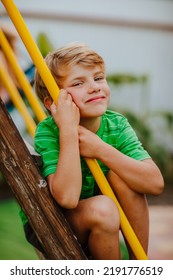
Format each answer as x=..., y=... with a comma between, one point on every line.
x=25, y=85
x=54, y=92
x=125, y=225
x=17, y=100
x=32, y=48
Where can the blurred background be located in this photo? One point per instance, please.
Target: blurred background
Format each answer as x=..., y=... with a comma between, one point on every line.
x=135, y=38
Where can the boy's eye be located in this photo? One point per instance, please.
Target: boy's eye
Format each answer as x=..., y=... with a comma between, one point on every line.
x=77, y=84
x=99, y=78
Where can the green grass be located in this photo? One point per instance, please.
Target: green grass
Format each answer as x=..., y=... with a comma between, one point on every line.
x=13, y=245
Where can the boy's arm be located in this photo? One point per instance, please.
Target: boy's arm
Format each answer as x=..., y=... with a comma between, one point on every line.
x=141, y=176
x=65, y=184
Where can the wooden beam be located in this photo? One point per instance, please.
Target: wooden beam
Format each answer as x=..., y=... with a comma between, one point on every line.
x=33, y=195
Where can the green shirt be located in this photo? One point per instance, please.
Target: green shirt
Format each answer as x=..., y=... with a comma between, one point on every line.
x=114, y=130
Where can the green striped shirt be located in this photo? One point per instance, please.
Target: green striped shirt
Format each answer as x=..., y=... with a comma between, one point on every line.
x=114, y=130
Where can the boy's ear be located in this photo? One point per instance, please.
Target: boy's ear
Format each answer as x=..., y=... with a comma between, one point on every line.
x=48, y=102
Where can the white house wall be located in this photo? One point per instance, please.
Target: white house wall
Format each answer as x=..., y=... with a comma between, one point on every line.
x=125, y=48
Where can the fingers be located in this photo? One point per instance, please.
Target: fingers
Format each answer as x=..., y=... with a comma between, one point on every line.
x=65, y=113
x=64, y=96
x=53, y=108
x=83, y=133
x=81, y=130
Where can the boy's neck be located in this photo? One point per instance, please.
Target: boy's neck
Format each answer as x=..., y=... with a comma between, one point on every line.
x=91, y=124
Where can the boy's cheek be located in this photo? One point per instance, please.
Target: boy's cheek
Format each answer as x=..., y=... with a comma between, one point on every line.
x=73, y=95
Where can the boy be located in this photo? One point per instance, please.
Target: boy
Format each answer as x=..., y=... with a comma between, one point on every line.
x=80, y=126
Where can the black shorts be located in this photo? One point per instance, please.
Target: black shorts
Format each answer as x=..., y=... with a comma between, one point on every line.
x=32, y=238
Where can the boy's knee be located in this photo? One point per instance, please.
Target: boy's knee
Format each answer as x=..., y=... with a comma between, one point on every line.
x=106, y=214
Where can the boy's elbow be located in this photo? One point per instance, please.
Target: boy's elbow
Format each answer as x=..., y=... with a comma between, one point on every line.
x=64, y=199
x=158, y=186
x=66, y=202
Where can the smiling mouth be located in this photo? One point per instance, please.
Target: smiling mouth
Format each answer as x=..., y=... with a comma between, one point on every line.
x=97, y=98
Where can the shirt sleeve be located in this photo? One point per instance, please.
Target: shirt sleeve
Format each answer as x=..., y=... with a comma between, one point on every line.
x=128, y=142
x=47, y=145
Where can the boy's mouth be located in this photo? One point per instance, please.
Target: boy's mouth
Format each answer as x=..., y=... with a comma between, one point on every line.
x=96, y=98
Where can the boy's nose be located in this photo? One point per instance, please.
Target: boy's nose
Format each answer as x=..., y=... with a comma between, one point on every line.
x=93, y=87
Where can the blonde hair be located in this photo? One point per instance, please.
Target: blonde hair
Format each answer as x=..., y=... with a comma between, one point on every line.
x=60, y=60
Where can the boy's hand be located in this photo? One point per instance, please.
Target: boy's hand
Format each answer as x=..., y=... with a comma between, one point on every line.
x=90, y=144
x=66, y=113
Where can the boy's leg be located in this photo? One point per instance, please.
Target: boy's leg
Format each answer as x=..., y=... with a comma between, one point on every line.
x=135, y=207
x=96, y=223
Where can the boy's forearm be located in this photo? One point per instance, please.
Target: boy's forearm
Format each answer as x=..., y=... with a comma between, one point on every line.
x=67, y=180
x=141, y=176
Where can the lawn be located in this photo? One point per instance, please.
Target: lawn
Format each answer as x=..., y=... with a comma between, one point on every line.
x=13, y=245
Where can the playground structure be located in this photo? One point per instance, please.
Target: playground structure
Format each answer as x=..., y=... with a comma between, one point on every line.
x=11, y=152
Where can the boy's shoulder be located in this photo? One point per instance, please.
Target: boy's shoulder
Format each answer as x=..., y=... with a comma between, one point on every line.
x=47, y=124
x=113, y=117
x=46, y=130
x=111, y=121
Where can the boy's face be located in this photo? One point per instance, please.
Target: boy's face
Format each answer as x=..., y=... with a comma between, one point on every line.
x=89, y=90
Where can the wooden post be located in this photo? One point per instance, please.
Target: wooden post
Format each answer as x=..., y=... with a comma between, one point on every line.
x=33, y=195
